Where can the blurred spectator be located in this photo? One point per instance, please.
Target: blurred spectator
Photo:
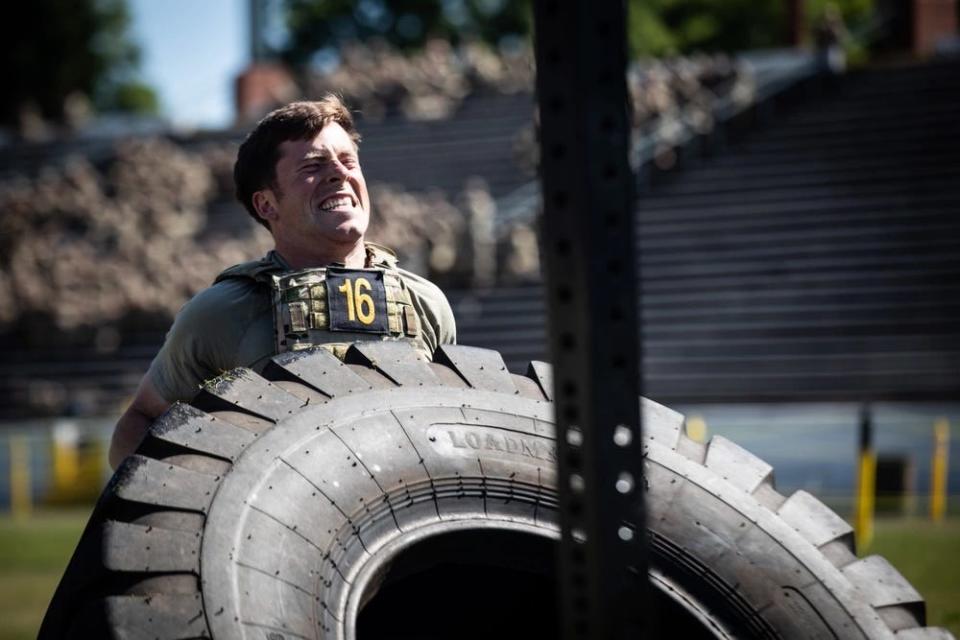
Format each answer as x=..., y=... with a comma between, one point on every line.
x=831, y=34
x=83, y=246
x=682, y=93
x=31, y=125
x=520, y=254
x=86, y=245
x=669, y=98
x=481, y=213
x=428, y=85
x=431, y=84
x=424, y=229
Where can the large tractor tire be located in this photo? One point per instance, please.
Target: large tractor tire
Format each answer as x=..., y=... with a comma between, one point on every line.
x=383, y=496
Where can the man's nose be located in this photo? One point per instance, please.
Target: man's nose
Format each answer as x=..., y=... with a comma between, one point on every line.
x=338, y=172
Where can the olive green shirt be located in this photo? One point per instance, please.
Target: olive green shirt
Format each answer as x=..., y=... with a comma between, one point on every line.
x=230, y=324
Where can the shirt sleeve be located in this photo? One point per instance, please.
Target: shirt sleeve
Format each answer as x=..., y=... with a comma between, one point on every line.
x=437, y=323
x=446, y=324
x=197, y=347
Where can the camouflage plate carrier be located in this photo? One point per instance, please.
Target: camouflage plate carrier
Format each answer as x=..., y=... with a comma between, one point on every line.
x=334, y=306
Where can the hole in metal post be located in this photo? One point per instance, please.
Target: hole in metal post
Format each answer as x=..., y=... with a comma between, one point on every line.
x=574, y=436
x=577, y=483
x=622, y=435
x=580, y=603
x=579, y=556
x=624, y=482
x=579, y=535
x=625, y=533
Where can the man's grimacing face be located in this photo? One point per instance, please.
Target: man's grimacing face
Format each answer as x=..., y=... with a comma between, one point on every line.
x=321, y=195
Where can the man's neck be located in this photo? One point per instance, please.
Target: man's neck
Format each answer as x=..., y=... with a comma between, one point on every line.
x=353, y=256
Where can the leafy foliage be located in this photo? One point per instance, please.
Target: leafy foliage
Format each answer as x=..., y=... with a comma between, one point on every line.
x=655, y=27
x=315, y=25
x=669, y=27
x=59, y=48
x=706, y=25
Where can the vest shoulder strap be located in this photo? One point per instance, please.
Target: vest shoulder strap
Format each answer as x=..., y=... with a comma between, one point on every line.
x=261, y=270
x=381, y=256
x=258, y=270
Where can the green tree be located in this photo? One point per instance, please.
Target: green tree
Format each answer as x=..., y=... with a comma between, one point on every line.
x=55, y=48
x=315, y=25
x=655, y=27
x=130, y=96
x=668, y=27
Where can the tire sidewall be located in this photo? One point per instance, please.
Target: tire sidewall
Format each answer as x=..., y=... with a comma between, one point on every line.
x=491, y=444
x=501, y=451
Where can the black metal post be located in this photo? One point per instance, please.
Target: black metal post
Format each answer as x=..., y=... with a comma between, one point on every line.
x=591, y=265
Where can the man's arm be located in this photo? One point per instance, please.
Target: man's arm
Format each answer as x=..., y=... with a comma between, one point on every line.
x=204, y=340
x=133, y=424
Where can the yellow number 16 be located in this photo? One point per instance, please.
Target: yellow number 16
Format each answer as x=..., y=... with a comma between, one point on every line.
x=359, y=305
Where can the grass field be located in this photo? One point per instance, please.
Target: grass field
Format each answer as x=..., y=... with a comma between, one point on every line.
x=34, y=552
x=928, y=555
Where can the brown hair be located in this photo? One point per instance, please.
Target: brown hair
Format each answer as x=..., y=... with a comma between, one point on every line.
x=256, y=166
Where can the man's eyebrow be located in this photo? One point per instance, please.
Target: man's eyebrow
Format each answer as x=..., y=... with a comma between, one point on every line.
x=314, y=154
x=323, y=154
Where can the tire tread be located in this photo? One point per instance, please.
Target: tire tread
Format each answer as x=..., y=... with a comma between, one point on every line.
x=151, y=517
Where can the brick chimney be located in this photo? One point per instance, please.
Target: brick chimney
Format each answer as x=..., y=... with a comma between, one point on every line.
x=933, y=20
x=261, y=87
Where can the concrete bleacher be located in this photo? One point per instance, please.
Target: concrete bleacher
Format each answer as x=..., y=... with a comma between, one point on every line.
x=816, y=257
x=445, y=154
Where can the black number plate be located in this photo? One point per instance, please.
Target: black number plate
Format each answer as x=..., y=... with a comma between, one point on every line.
x=357, y=300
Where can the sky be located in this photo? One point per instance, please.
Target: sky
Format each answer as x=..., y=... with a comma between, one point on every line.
x=192, y=50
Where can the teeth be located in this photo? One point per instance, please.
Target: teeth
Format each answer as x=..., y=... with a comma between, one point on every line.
x=337, y=202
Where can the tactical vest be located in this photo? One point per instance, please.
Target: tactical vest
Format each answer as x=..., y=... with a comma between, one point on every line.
x=333, y=306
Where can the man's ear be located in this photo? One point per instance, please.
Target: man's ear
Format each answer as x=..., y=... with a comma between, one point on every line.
x=265, y=204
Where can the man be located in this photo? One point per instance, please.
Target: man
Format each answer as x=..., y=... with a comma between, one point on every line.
x=297, y=173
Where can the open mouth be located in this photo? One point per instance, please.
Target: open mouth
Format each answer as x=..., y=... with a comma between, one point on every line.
x=337, y=202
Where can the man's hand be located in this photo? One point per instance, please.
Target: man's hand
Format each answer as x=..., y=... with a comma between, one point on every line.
x=133, y=424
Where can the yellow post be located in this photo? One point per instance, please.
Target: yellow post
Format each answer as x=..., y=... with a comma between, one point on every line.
x=696, y=428
x=866, y=482
x=866, y=490
x=938, y=469
x=21, y=500
x=65, y=462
